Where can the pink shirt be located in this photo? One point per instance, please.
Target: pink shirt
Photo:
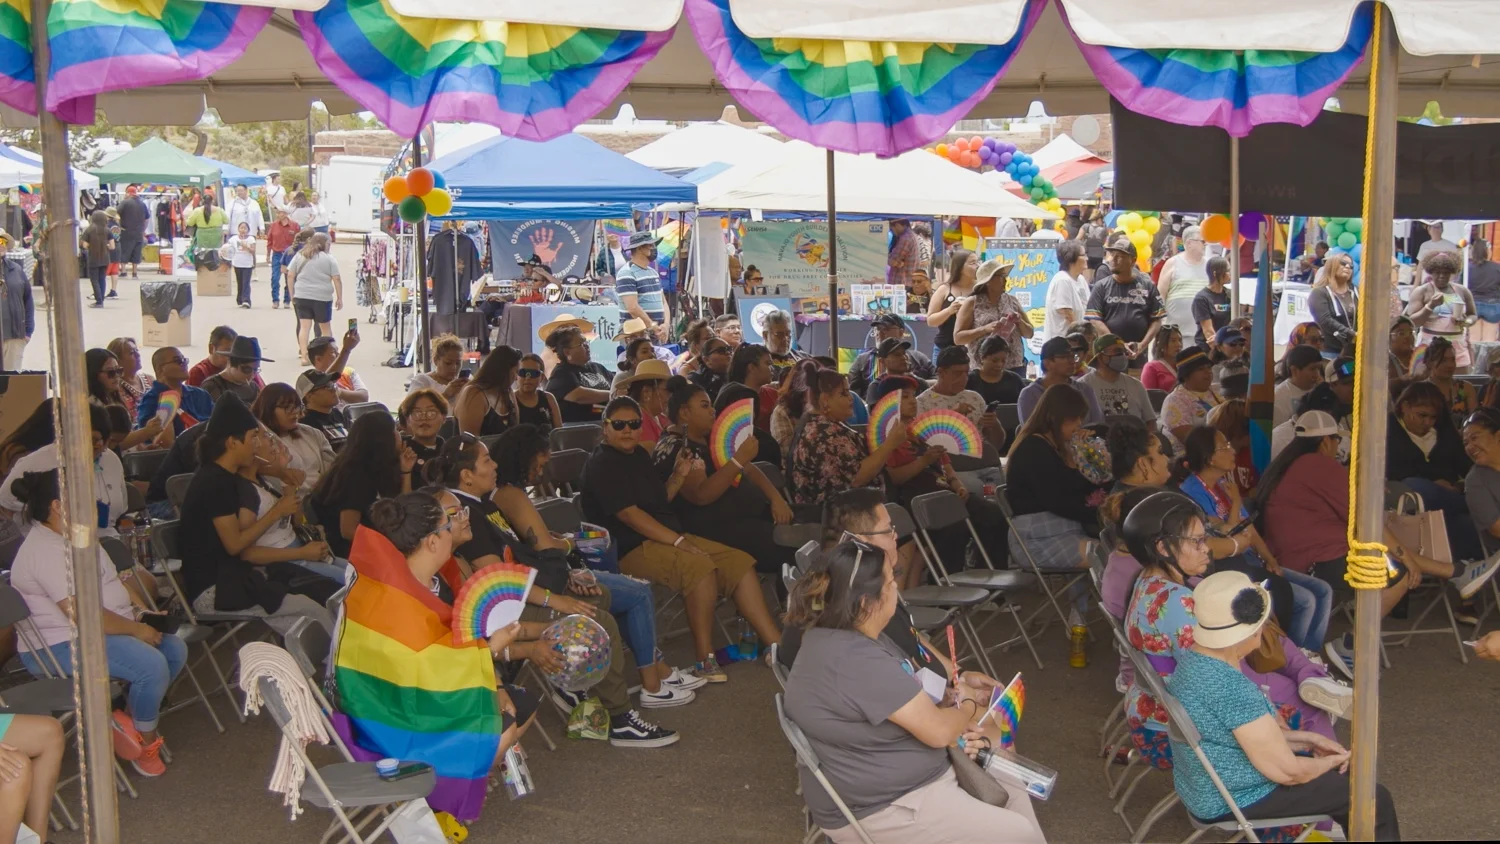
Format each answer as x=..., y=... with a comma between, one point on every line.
x=1307, y=515
x=1158, y=376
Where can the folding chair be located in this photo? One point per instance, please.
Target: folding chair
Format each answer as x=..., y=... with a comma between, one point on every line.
x=788, y=576
x=565, y=467
x=1157, y=398
x=177, y=487
x=942, y=509
x=959, y=599
x=347, y=785
x=449, y=428
x=354, y=411
x=135, y=500
x=807, y=555
x=776, y=668
x=1070, y=576
x=560, y=515
x=8, y=549
x=164, y=544
x=142, y=465
x=808, y=758
x=190, y=634
x=773, y=474
x=584, y=436
x=1009, y=416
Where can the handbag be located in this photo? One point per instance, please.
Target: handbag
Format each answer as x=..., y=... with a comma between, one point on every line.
x=1268, y=657
x=976, y=781
x=415, y=823
x=1421, y=530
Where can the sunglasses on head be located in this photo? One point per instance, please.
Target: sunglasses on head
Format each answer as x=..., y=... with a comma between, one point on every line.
x=528, y=373
x=622, y=424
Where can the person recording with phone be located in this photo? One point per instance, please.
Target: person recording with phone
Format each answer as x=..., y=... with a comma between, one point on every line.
x=326, y=357
x=448, y=375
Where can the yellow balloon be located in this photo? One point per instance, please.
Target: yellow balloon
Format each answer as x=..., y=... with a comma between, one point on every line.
x=438, y=201
x=1141, y=238
x=1152, y=224
x=1130, y=221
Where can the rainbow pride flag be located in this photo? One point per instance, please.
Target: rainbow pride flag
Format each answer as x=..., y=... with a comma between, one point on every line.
x=1007, y=705
x=408, y=691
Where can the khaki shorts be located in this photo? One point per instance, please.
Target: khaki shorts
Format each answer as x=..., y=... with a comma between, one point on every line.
x=681, y=570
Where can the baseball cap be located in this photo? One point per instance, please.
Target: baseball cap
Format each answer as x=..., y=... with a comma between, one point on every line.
x=1122, y=244
x=888, y=321
x=1190, y=362
x=1228, y=335
x=313, y=379
x=1315, y=423
x=891, y=345
x=1105, y=342
x=1057, y=347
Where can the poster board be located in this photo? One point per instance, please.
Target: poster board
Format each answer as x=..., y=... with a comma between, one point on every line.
x=563, y=245
x=20, y=395
x=794, y=256
x=753, y=312
x=1035, y=265
x=710, y=257
x=874, y=299
x=606, y=320
x=1293, y=312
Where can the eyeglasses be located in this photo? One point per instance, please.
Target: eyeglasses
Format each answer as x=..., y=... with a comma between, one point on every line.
x=448, y=526
x=248, y=368
x=622, y=424
x=717, y=350
x=179, y=360
x=1200, y=541
x=292, y=409
x=428, y=413
x=113, y=373
x=528, y=373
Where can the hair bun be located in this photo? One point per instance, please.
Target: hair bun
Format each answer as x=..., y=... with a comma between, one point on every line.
x=677, y=382
x=21, y=489
x=385, y=515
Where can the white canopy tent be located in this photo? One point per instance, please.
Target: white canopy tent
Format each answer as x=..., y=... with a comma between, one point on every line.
x=916, y=183
x=23, y=167
x=698, y=144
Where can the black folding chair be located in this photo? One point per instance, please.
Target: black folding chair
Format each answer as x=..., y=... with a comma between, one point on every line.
x=142, y=465
x=352, y=412
x=565, y=467
x=584, y=436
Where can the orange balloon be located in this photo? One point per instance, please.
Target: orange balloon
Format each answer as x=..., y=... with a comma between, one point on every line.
x=971, y=159
x=1217, y=229
x=955, y=155
x=395, y=189
x=975, y=143
x=962, y=144
x=419, y=181
x=942, y=149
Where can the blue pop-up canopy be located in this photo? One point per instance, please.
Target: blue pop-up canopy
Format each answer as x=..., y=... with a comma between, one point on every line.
x=568, y=177
x=233, y=174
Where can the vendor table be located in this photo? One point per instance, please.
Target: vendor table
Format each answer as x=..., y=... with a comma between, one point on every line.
x=854, y=333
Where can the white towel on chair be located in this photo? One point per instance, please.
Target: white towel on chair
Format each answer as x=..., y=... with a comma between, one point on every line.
x=262, y=659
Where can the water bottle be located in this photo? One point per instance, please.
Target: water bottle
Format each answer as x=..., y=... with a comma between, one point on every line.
x=516, y=774
x=749, y=643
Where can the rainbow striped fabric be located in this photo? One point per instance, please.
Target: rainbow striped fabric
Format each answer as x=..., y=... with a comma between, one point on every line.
x=112, y=45
x=17, y=75
x=408, y=691
x=854, y=96
x=1220, y=88
x=531, y=81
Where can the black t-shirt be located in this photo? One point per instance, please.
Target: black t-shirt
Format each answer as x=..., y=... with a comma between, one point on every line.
x=494, y=535
x=1128, y=309
x=216, y=492
x=613, y=481
x=711, y=382
x=737, y=502
x=331, y=424
x=1006, y=391
x=1484, y=281
x=1210, y=306
x=566, y=378
x=354, y=497
x=424, y=454
x=181, y=459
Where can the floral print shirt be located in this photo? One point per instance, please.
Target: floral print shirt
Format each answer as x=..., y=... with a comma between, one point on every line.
x=824, y=460
x=1185, y=407
x=1159, y=623
x=986, y=312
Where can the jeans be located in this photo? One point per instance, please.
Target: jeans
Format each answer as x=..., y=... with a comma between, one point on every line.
x=149, y=669
x=634, y=609
x=1312, y=606
x=1326, y=795
x=1487, y=311
x=242, y=285
x=276, y=296
x=96, y=279
x=1462, y=540
x=162, y=509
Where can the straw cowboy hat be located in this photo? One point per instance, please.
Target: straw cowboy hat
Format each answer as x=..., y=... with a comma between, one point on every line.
x=1228, y=608
x=648, y=370
x=563, y=321
x=634, y=325
x=989, y=269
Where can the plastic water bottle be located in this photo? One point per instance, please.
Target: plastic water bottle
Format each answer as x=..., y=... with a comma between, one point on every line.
x=749, y=647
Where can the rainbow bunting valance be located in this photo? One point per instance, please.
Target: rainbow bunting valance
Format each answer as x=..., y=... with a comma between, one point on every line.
x=17, y=75
x=1233, y=91
x=531, y=81
x=113, y=45
x=855, y=96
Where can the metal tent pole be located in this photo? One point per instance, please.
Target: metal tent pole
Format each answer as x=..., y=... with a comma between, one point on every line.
x=833, y=266
x=74, y=440
x=424, y=339
x=1234, y=227
x=1372, y=386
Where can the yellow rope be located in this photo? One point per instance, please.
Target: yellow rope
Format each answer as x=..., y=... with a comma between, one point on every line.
x=1367, y=567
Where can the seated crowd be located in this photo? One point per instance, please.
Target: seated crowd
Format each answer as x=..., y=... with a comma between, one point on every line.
x=285, y=501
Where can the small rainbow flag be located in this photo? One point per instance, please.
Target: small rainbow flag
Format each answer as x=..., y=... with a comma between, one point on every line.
x=408, y=691
x=1007, y=705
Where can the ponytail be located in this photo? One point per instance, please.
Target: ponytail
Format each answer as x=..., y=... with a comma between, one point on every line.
x=680, y=391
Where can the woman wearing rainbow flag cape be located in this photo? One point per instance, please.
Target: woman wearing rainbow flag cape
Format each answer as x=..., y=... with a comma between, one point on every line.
x=408, y=690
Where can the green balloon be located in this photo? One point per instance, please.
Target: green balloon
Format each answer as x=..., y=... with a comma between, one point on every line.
x=1036, y=194
x=1334, y=231
x=1348, y=240
x=412, y=209
x=1354, y=224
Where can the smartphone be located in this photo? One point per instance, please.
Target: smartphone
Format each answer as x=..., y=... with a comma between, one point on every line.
x=406, y=439
x=354, y=324
x=466, y=373
x=159, y=621
x=1240, y=528
x=408, y=771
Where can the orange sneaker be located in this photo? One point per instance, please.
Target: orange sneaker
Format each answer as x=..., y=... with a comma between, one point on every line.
x=149, y=764
x=128, y=742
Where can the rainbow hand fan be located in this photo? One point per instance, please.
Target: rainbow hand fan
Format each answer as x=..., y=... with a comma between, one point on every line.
x=1006, y=705
x=883, y=417
x=167, y=405
x=951, y=430
x=490, y=600
x=731, y=429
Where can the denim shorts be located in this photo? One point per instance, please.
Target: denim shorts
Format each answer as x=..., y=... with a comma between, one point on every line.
x=1487, y=311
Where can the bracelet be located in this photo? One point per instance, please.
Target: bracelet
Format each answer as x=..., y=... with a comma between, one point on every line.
x=546, y=600
x=680, y=537
x=505, y=653
x=737, y=464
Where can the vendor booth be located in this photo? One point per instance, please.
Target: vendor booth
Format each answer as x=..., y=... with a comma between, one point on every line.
x=233, y=175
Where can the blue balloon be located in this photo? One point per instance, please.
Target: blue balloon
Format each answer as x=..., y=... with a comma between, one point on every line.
x=1358, y=252
x=1032, y=168
x=437, y=180
x=1025, y=181
x=1338, y=250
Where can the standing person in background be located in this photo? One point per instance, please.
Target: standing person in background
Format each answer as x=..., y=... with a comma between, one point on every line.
x=949, y=298
x=1126, y=303
x=1068, y=292
x=1182, y=276
x=638, y=286
x=243, y=209
x=1484, y=285
x=114, y=252
x=17, y=310
x=206, y=228
x=321, y=222
x=1334, y=304
x=279, y=237
x=1211, y=306
x=316, y=288
x=1442, y=308
x=134, y=217
x=992, y=312
x=243, y=260
x=168, y=214
x=904, y=254
x=301, y=211
x=1094, y=235
x=95, y=240
x=275, y=193
x=1436, y=243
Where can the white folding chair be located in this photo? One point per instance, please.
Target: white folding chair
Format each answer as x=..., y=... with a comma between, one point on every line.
x=808, y=758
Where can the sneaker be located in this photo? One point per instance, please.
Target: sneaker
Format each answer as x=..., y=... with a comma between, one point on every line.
x=275, y=306
x=631, y=730
x=1475, y=576
x=1313, y=657
x=150, y=764
x=680, y=679
x=567, y=701
x=1466, y=612
x=1327, y=694
x=128, y=741
x=709, y=671
x=245, y=305
x=113, y=295
x=667, y=696
x=1341, y=655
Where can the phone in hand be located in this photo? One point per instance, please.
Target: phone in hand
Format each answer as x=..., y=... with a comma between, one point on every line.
x=354, y=324
x=466, y=372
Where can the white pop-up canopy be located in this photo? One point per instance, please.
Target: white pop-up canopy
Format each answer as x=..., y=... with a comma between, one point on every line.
x=24, y=167
x=917, y=183
x=700, y=144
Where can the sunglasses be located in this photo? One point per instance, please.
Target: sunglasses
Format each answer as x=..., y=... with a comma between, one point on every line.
x=248, y=368
x=113, y=373
x=622, y=424
x=717, y=350
x=528, y=373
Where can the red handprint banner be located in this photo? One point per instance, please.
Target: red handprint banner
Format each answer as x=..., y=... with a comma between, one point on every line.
x=562, y=245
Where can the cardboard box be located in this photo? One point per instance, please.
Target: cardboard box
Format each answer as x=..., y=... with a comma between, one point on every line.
x=20, y=396
x=166, y=313
x=214, y=282
x=176, y=331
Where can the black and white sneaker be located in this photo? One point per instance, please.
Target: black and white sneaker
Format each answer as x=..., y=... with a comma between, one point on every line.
x=565, y=700
x=631, y=730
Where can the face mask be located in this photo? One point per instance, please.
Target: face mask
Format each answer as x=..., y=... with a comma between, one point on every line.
x=1119, y=363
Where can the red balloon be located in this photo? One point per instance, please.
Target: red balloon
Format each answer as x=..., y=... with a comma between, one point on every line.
x=419, y=181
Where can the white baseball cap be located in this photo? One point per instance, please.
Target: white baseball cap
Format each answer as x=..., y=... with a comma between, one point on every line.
x=1315, y=423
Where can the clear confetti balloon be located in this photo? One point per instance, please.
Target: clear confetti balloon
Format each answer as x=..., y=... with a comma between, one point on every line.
x=584, y=646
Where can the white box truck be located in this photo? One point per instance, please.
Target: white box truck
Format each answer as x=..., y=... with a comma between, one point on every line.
x=349, y=186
